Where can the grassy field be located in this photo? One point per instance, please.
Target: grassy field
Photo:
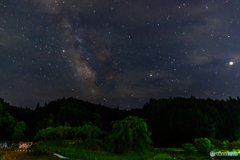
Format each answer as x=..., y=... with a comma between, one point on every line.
x=74, y=151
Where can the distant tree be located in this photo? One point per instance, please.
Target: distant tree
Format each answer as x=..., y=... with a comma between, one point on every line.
x=18, y=130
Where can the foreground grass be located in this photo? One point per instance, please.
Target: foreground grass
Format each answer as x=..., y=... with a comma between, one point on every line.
x=74, y=151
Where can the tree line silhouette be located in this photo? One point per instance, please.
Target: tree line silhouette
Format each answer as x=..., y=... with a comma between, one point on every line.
x=172, y=121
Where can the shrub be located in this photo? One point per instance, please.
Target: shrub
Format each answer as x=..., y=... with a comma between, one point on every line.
x=216, y=142
x=72, y=132
x=109, y=144
x=212, y=148
x=188, y=147
x=234, y=145
x=40, y=135
x=40, y=149
x=225, y=142
x=204, y=146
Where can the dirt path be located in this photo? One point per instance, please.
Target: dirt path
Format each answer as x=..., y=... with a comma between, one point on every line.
x=60, y=156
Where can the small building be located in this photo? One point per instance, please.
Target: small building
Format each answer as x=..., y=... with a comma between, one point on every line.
x=25, y=145
x=3, y=145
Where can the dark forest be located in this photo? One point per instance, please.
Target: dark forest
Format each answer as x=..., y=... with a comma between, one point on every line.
x=172, y=121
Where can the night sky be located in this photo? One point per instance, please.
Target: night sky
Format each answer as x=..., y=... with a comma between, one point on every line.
x=118, y=52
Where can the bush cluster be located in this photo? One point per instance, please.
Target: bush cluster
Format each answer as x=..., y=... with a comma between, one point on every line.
x=234, y=144
x=40, y=149
x=204, y=145
x=127, y=135
x=225, y=142
x=216, y=142
x=188, y=147
x=62, y=132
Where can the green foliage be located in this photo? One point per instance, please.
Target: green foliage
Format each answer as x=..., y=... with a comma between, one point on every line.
x=41, y=149
x=40, y=135
x=58, y=134
x=62, y=132
x=7, y=122
x=79, y=133
x=86, y=132
x=215, y=141
x=46, y=122
x=234, y=145
x=50, y=121
x=72, y=132
x=130, y=133
x=225, y=142
x=65, y=130
x=204, y=146
x=203, y=127
x=214, y=119
x=50, y=133
x=76, y=116
x=91, y=131
x=18, y=130
x=109, y=143
x=188, y=147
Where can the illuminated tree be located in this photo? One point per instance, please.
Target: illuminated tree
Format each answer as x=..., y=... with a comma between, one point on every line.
x=130, y=133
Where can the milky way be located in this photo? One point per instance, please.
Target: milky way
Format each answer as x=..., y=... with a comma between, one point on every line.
x=118, y=53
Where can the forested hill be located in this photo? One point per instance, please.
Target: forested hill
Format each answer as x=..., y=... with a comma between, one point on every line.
x=76, y=112
x=172, y=121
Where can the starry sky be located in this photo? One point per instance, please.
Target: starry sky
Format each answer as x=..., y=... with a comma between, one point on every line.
x=118, y=52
